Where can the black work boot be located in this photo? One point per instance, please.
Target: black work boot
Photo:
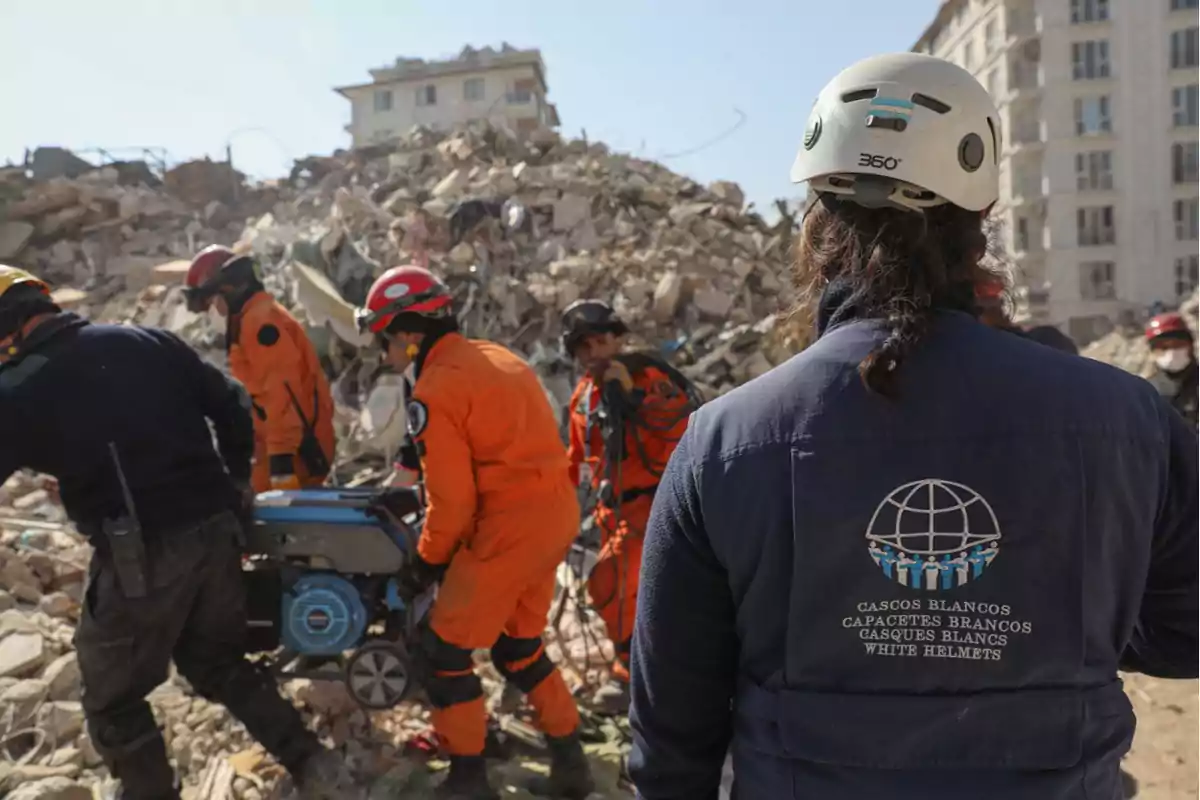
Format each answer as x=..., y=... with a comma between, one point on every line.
x=468, y=780
x=570, y=774
x=141, y=769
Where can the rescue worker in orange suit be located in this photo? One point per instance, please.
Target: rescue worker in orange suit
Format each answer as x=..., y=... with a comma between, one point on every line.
x=626, y=415
x=271, y=355
x=501, y=516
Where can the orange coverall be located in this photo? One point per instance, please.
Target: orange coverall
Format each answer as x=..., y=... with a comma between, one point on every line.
x=614, y=580
x=503, y=514
x=270, y=353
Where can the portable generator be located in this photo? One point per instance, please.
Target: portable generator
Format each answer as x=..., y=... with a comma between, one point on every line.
x=322, y=598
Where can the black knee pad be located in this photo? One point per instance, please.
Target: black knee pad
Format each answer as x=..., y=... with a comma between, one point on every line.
x=508, y=650
x=448, y=672
x=444, y=691
x=443, y=656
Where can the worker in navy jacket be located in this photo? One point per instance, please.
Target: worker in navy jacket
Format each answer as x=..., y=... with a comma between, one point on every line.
x=909, y=562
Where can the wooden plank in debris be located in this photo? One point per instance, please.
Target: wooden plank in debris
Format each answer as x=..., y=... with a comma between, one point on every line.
x=170, y=273
x=216, y=783
x=68, y=297
x=39, y=524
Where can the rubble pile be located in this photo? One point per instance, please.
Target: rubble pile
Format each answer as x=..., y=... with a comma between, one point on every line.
x=114, y=224
x=1126, y=347
x=520, y=228
x=46, y=753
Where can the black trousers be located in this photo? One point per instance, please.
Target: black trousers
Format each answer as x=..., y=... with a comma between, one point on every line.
x=194, y=613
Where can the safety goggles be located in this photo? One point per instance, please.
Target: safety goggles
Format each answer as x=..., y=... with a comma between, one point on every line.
x=588, y=315
x=365, y=319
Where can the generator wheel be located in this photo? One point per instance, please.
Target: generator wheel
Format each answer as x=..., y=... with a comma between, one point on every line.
x=378, y=675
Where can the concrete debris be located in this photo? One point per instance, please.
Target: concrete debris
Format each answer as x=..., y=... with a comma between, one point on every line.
x=46, y=754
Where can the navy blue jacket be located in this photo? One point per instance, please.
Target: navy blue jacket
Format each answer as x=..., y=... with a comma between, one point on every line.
x=77, y=386
x=925, y=598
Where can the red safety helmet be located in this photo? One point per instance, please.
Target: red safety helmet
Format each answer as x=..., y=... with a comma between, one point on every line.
x=409, y=290
x=1170, y=325
x=202, y=281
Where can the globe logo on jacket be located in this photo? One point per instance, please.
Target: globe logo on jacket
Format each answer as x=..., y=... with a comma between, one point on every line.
x=933, y=535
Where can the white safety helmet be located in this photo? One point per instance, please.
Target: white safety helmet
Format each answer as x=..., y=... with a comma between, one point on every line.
x=903, y=130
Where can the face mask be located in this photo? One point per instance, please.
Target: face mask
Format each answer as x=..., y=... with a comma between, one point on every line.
x=1172, y=360
x=215, y=319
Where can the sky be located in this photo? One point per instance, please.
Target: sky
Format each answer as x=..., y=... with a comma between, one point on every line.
x=662, y=79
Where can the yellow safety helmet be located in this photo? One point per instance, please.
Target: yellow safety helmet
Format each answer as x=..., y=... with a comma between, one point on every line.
x=11, y=276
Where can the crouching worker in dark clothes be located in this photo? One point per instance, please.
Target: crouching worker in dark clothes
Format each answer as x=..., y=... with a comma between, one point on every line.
x=119, y=416
x=910, y=561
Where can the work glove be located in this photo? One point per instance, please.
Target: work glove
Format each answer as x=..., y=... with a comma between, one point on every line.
x=283, y=472
x=616, y=371
x=418, y=576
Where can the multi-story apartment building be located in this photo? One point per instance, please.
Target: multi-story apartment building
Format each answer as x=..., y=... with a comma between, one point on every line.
x=1098, y=109
x=506, y=85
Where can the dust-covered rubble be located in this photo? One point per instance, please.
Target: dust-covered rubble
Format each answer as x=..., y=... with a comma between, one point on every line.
x=45, y=751
x=520, y=227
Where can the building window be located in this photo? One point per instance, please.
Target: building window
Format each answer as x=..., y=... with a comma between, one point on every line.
x=383, y=100
x=1093, y=171
x=1089, y=11
x=1092, y=115
x=1021, y=240
x=381, y=135
x=473, y=89
x=1187, y=220
x=522, y=92
x=1180, y=5
x=1184, y=106
x=991, y=36
x=1185, y=48
x=1098, y=280
x=1185, y=162
x=1089, y=60
x=1187, y=275
x=1095, y=227
x=427, y=95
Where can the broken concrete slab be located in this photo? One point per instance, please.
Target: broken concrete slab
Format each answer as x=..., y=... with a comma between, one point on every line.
x=14, y=235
